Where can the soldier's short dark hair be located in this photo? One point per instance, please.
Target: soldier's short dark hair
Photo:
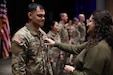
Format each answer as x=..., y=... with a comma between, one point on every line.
x=32, y=7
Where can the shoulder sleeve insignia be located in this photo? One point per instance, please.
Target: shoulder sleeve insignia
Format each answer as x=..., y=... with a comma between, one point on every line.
x=17, y=39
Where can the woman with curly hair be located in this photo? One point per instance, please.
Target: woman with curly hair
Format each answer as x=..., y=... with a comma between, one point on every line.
x=95, y=57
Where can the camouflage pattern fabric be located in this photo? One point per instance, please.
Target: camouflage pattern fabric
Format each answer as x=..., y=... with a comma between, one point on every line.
x=29, y=53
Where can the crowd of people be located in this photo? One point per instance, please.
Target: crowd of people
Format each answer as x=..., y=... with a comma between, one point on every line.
x=63, y=50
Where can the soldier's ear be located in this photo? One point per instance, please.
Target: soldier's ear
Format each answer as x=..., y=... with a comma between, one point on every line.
x=29, y=15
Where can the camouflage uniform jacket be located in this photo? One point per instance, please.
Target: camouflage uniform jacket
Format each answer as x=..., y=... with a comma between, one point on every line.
x=82, y=30
x=64, y=39
x=54, y=51
x=75, y=37
x=63, y=33
x=29, y=53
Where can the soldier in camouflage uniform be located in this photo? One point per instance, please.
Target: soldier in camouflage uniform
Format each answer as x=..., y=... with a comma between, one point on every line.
x=54, y=51
x=82, y=28
x=29, y=53
x=64, y=37
x=62, y=26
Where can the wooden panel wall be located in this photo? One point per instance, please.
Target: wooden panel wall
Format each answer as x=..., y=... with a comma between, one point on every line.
x=109, y=6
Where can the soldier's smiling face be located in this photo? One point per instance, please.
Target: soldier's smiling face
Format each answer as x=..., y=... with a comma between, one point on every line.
x=38, y=17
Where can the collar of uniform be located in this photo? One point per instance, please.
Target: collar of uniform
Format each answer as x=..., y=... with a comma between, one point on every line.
x=53, y=34
x=61, y=23
x=82, y=23
x=32, y=31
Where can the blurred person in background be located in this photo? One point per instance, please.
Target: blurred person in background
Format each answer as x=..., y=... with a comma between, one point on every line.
x=55, y=54
x=82, y=28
